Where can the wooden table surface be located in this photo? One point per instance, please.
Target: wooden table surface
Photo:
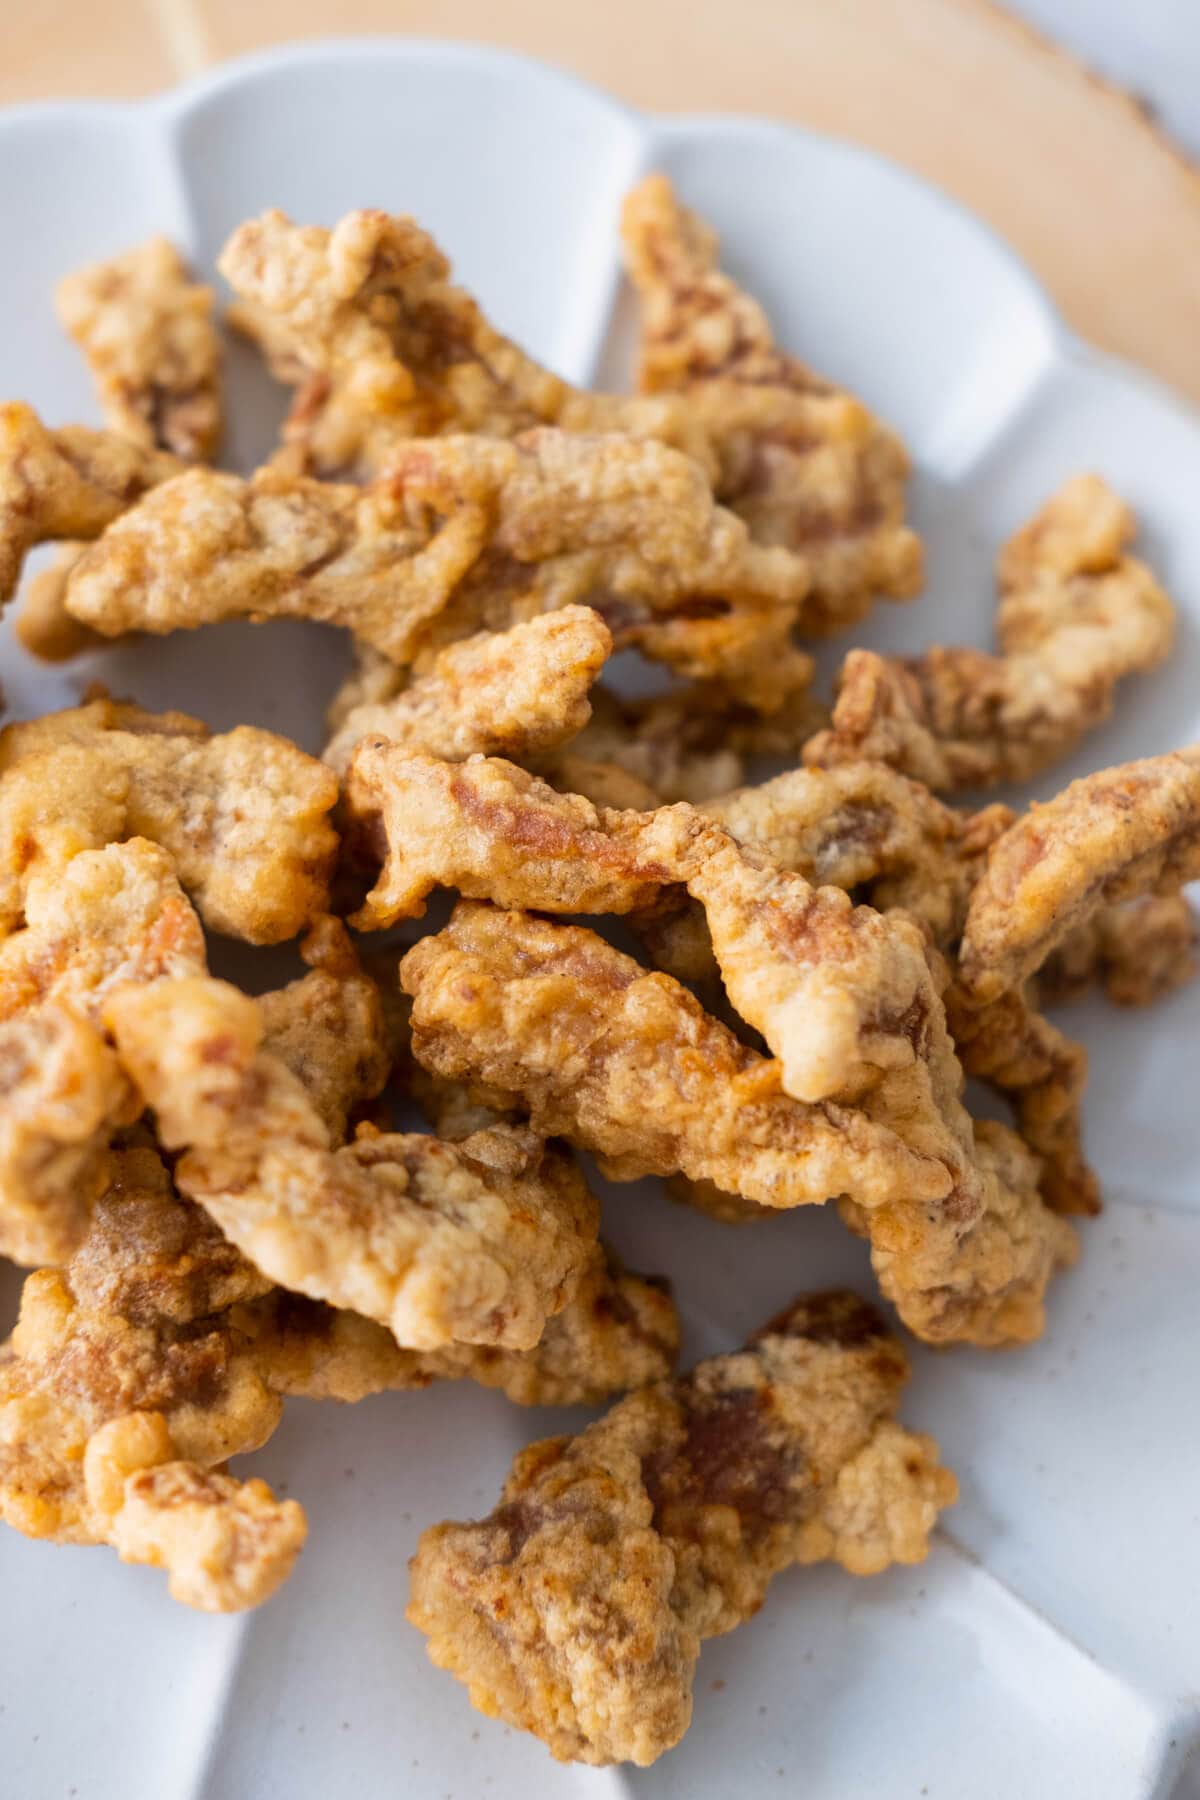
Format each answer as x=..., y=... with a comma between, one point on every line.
x=1099, y=202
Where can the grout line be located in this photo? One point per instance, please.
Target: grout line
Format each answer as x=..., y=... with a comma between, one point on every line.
x=184, y=34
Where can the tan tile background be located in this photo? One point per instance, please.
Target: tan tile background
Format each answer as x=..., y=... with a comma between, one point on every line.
x=1092, y=195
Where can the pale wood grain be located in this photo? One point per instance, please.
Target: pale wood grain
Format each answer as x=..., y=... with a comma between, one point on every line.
x=71, y=49
x=1096, y=200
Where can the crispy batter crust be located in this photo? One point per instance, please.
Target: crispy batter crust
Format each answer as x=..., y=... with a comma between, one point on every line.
x=804, y=463
x=366, y=319
x=1108, y=838
x=1043, y=1073
x=1137, y=953
x=148, y=335
x=109, y=918
x=577, y=1609
x=474, y=1243
x=159, y=1352
x=64, y=484
x=149, y=338
x=693, y=742
x=456, y=535
x=832, y=987
x=626, y=1064
x=630, y=1066
x=861, y=827
x=244, y=815
x=1076, y=616
x=518, y=693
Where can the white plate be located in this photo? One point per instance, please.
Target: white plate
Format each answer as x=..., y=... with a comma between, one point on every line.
x=1051, y=1645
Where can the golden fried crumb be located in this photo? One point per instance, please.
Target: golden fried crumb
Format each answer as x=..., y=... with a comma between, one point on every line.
x=803, y=462
x=694, y=741
x=1076, y=615
x=553, y=1019
x=158, y=1352
x=148, y=335
x=244, y=815
x=480, y=1242
x=64, y=484
x=629, y=1065
x=1136, y=952
x=1043, y=1073
x=111, y=917
x=43, y=626
x=516, y=693
x=577, y=1609
x=457, y=535
x=1110, y=837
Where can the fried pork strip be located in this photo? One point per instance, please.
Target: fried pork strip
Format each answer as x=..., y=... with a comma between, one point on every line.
x=385, y=347
x=111, y=917
x=1136, y=952
x=552, y=1019
x=576, y=1610
x=148, y=335
x=1076, y=616
x=392, y=350
x=804, y=463
x=492, y=831
x=244, y=815
x=627, y=1064
x=476, y=1243
x=457, y=535
x=1043, y=1074
x=1111, y=837
x=70, y=483
x=861, y=827
x=158, y=1352
x=519, y=693
x=693, y=742
x=843, y=996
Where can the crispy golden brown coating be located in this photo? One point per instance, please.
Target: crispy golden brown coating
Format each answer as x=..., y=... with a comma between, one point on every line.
x=108, y=918
x=492, y=831
x=385, y=347
x=861, y=827
x=693, y=742
x=577, y=1609
x=64, y=484
x=1043, y=1073
x=803, y=462
x=980, y=1280
x=62, y=1091
x=617, y=1331
x=850, y=1002
x=460, y=534
x=119, y=1397
x=148, y=335
x=1136, y=953
x=864, y=828
x=475, y=1243
x=517, y=693
x=159, y=1352
x=1110, y=837
x=244, y=815
x=329, y=1028
x=160, y=1339
x=841, y=993
x=841, y=1007
x=1076, y=615
x=629, y=1065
